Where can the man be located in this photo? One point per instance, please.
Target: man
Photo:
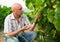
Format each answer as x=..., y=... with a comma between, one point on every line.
x=15, y=25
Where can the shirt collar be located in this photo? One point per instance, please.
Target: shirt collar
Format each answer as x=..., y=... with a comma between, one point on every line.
x=12, y=16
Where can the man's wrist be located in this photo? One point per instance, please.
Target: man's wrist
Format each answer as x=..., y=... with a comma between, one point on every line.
x=34, y=22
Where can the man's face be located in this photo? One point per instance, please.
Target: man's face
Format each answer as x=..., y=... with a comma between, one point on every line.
x=19, y=10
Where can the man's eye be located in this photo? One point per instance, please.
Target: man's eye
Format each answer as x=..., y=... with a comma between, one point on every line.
x=20, y=9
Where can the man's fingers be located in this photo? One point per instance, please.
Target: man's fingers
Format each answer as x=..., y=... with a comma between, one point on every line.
x=24, y=26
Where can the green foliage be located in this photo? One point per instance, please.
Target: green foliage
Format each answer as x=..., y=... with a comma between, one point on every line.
x=4, y=11
x=57, y=17
x=49, y=21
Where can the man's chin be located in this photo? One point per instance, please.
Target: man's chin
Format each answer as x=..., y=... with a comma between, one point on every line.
x=20, y=14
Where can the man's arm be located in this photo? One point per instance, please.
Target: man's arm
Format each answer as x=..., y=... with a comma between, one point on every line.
x=9, y=34
x=32, y=26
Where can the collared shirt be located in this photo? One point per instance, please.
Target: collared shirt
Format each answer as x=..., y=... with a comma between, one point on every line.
x=10, y=24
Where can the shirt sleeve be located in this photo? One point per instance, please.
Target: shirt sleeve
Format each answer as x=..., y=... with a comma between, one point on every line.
x=27, y=22
x=7, y=26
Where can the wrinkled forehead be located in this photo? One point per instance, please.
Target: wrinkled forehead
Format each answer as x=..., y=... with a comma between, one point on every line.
x=16, y=6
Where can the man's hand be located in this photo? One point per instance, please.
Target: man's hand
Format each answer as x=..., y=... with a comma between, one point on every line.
x=25, y=28
x=30, y=27
x=37, y=17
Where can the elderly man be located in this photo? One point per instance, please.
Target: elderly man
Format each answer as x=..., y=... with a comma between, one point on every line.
x=15, y=25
